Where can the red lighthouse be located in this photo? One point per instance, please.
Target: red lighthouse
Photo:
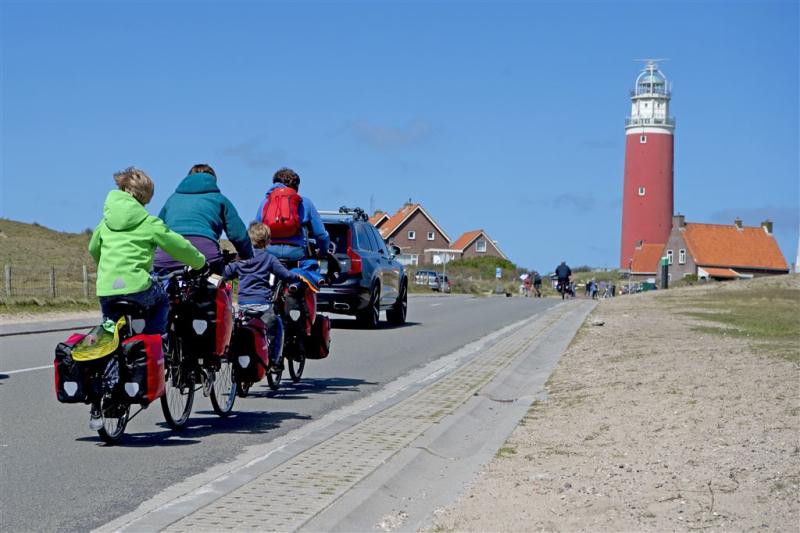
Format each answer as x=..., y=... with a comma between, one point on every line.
x=647, y=191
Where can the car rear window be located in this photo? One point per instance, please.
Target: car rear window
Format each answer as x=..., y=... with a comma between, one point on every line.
x=338, y=234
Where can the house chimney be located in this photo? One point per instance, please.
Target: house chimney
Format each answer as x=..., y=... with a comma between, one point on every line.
x=738, y=223
x=767, y=225
x=678, y=221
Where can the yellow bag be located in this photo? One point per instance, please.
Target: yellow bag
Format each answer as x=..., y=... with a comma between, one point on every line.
x=100, y=342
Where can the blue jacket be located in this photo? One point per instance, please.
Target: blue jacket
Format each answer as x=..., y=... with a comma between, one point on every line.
x=310, y=220
x=198, y=208
x=253, y=274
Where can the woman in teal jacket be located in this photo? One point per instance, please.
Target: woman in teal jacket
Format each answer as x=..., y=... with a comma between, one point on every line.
x=200, y=212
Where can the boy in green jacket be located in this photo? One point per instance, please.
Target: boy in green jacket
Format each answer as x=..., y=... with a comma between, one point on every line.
x=123, y=246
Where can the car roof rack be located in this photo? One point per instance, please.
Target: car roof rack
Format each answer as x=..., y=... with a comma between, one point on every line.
x=356, y=212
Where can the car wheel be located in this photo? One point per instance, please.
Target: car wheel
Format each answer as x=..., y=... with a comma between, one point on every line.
x=369, y=316
x=397, y=314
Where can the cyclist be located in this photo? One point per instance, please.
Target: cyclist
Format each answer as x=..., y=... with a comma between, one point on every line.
x=200, y=212
x=563, y=272
x=299, y=218
x=255, y=291
x=537, y=283
x=123, y=245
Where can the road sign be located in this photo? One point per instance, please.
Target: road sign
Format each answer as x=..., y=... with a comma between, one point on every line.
x=498, y=273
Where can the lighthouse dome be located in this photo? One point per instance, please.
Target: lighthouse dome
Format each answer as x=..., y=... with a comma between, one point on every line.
x=651, y=81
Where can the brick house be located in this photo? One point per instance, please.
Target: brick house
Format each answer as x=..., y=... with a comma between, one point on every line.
x=414, y=231
x=476, y=243
x=718, y=251
x=645, y=261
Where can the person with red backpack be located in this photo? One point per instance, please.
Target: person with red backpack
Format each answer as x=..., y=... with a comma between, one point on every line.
x=291, y=218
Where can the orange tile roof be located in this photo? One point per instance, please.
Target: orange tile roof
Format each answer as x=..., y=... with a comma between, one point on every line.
x=377, y=217
x=645, y=259
x=725, y=273
x=395, y=220
x=465, y=239
x=729, y=246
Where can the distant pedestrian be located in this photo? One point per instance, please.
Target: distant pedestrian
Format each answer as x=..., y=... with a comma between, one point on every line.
x=537, y=283
x=594, y=289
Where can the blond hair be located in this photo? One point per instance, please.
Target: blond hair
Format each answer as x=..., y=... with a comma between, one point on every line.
x=259, y=234
x=136, y=183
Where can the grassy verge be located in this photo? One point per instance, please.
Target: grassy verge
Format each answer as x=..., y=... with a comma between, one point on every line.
x=37, y=306
x=769, y=316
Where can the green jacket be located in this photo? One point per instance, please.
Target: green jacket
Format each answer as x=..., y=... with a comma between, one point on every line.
x=124, y=243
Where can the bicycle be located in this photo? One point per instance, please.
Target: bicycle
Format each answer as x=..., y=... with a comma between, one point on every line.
x=198, y=340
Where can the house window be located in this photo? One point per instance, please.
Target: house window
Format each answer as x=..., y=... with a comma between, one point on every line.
x=641, y=191
x=681, y=257
x=643, y=139
x=430, y=235
x=669, y=257
x=414, y=259
x=480, y=246
x=412, y=235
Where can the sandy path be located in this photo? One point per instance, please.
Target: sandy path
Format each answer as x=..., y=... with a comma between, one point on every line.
x=648, y=426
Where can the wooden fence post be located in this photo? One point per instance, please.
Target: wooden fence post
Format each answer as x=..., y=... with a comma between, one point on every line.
x=85, y=283
x=8, y=281
x=52, y=282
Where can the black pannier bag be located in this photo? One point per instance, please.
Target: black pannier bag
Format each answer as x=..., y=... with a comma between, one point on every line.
x=69, y=379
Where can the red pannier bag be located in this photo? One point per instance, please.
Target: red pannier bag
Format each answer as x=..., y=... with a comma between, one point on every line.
x=69, y=382
x=142, y=380
x=250, y=342
x=319, y=343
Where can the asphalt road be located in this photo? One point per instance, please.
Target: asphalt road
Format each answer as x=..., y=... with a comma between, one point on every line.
x=55, y=474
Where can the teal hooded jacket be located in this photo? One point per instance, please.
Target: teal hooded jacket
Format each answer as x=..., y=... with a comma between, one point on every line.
x=124, y=243
x=198, y=208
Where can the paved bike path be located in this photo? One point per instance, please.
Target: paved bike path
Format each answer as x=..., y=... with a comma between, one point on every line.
x=389, y=458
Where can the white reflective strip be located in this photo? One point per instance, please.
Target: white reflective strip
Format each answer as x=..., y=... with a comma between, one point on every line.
x=9, y=372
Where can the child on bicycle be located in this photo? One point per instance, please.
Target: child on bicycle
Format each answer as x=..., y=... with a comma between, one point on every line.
x=123, y=246
x=255, y=291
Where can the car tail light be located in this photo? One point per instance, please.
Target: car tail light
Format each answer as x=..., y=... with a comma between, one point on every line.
x=355, y=259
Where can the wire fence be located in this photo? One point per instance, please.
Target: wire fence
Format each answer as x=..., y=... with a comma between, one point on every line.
x=48, y=283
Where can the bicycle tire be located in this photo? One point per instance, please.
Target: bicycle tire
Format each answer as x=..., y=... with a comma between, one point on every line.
x=223, y=390
x=178, y=397
x=114, y=426
x=274, y=379
x=296, y=364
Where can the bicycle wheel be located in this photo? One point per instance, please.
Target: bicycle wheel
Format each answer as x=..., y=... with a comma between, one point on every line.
x=296, y=364
x=243, y=388
x=176, y=403
x=115, y=418
x=274, y=378
x=223, y=390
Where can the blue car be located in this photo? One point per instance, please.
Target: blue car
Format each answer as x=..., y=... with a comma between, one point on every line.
x=371, y=279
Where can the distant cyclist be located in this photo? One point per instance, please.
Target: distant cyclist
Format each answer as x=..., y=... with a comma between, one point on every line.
x=291, y=218
x=563, y=272
x=201, y=213
x=537, y=283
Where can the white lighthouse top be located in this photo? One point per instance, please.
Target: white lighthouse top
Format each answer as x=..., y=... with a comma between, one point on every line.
x=651, y=81
x=650, y=103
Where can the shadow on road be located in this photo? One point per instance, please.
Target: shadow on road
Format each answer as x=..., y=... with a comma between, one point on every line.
x=240, y=422
x=343, y=323
x=309, y=386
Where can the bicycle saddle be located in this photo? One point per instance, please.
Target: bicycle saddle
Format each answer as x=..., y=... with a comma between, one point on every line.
x=127, y=307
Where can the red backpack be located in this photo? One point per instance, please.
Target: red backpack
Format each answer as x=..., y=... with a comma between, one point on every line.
x=282, y=212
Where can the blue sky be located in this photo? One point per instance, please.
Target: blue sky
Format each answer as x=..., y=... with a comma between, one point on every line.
x=495, y=115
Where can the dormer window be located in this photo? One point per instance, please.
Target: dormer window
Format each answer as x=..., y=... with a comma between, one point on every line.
x=412, y=235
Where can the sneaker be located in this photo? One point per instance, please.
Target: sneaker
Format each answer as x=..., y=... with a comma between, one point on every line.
x=95, y=420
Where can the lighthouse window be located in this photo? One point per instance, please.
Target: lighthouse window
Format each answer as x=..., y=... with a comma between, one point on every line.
x=643, y=139
x=641, y=191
